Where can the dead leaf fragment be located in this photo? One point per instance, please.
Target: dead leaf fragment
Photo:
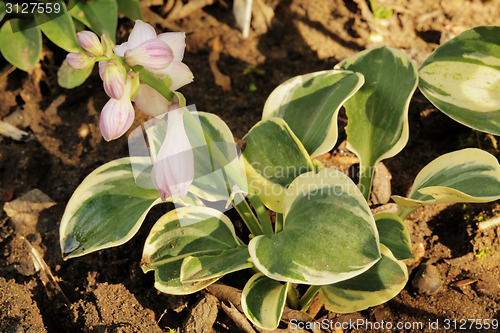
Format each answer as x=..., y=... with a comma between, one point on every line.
x=202, y=317
x=465, y=282
x=181, y=10
x=315, y=307
x=24, y=210
x=238, y=318
x=13, y=132
x=262, y=16
x=221, y=80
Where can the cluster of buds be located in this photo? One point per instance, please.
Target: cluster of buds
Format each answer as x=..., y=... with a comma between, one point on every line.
x=161, y=55
x=93, y=49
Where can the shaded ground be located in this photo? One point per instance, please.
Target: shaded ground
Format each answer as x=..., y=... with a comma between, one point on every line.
x=107, y=291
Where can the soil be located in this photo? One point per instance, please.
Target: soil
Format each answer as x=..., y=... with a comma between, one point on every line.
x=455, y=274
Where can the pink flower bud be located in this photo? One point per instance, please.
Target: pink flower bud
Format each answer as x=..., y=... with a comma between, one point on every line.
x=102, y=66
x=113, y=77
x=79, y=60
x=116, y=118
x=90, y=43
x=152, y=54
x=117, y=115
x=173, y=170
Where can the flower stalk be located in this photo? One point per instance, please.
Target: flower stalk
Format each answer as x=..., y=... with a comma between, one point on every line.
x=308, y=298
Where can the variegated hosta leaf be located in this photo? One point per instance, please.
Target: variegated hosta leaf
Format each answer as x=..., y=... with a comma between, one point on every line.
x=462, y=78
x=273, y=158
x=212, y=266
x=263, y=301
x=467, y=175
x=106, y=209
x=310, y=103
x=378, y=112
x=376, y=286
x=210, y=179
x=394, y=235
x=329, y=233
x=181, y=233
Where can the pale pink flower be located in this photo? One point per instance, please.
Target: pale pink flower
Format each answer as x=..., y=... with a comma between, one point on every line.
x=178, y=72
x=152, y=54
x=151, y=102
x=173, y=170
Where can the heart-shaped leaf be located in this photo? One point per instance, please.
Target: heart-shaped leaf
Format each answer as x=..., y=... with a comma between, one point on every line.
x=329, y=233
x=394, y=234
x=462, y=78
x=59, y=27
x=21, y=43
x=69, y=77
x=274, y=157
x=467, y=175
x=376, y=286
x=378, y=112
x=99, y=15
x=182, y=233
x=263, y=301
x=310, y=103
x=213, y=266
x=106, y=210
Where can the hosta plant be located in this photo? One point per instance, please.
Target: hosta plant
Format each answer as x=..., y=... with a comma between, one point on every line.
x=24, y=22
x=306, y=224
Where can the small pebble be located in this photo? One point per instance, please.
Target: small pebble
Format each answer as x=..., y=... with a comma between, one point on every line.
x=427, y=281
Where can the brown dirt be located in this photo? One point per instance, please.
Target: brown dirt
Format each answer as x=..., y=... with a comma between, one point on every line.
x=107, y=292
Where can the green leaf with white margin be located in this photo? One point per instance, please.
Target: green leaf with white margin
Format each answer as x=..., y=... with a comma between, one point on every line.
x=130, y=9
x=329, y=233
x=212, y=266
x=59, y=27
x=376, y=286
x=99, y=15
x=209, y=180
x=378, y=113
x=467, y=175
x=462, y=78
x=182, y=233
x=274, y=157
x=106, y=210
x=21, y=43
x=310, y=104
x=263, y=301
x=394, y=234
